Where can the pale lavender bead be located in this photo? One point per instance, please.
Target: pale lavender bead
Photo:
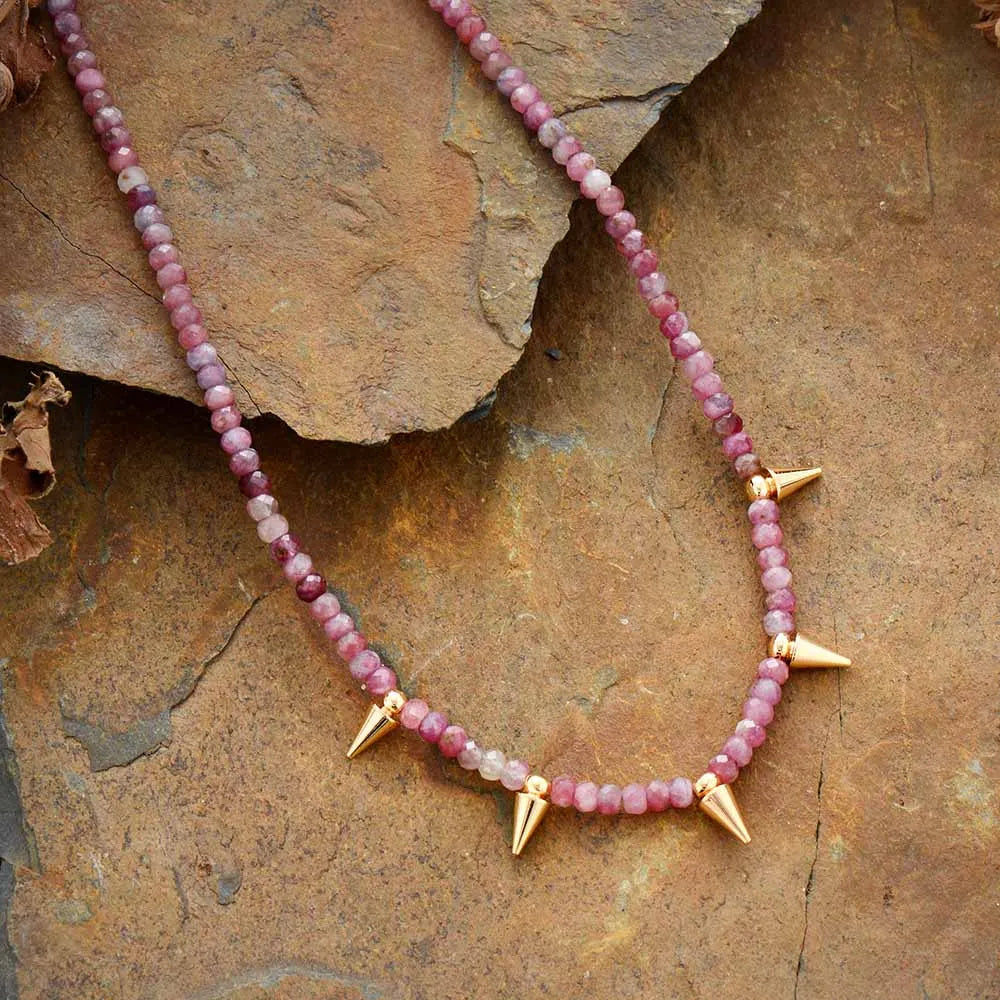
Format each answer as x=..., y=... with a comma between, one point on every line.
x=773, y=669
x=758, y=711
x=776, y=578
x=514, y=774
x=219, y=397
x=297, y=567
x=471, y=756
x=652, y=285
x=324, y=607
x=781, y=600
x=766, y=690
x=203, y=354
x=753, y=732
x=681, y=793
x=271, y=527
x=413, y=713
x=594, y=182
x=609, y=800
x=585, y=797
x=772, y=555
x=738, y=749
x=763, y=512
x=510, y=79
x=492, y=764
x=699, y=363
x=634, y=799
x=211, y=375
x=776, y=622
x=364, y=664
x=235, y=440
x=551, y=131
x=261, y=506
x=148, y=215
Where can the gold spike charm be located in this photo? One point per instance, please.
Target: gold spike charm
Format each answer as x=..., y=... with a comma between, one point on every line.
x=776, y=484
x=380, y=720
x=799, y=651
x=530, y=806
x=718, y=801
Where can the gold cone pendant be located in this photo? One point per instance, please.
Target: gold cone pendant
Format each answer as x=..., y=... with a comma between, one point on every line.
x=720, y=804
x=530, y=807
x=776, y=484
x=800, y=651
x=380, y=720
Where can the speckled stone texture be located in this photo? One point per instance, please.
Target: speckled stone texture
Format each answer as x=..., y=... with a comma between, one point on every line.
x=366, y=222
x=571, y=579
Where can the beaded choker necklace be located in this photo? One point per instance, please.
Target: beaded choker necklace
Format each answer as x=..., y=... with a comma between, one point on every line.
x=766, y=488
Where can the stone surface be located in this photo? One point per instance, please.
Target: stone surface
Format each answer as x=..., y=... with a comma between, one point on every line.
x=571, y=579
x=365, y=221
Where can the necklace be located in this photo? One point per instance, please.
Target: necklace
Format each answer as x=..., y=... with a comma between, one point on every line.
x=765, y=487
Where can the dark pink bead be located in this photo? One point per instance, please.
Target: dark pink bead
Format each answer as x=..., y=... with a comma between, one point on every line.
x=537, y=115
x=753, y=732
x=747, y=465
x=155, y=234
x=310, y=587
x=634, y=799
x=766, y=690
x=84, y=59
x=141, y=194
x=619, y=225
x=674, y=325
x=773, y=555
x=185, y=315
x=191, y=336
x=483, y=44
x=717, y=405
x=170, y=274
x=561, y=791
x=469, y=27
x=776, y=578
x=495, y=63
x=585, y=797
x=510, y=79
x=107, y=118
x=452, y=741
x=724, y=767
x=765, y=536
x=243, y=462
x=609, y=800
x=657, y=795
x=364, y=664
x=95, y=101
x=730, y=424
x=707, y=385
x=681, y=793
x=256, y=484
x=455, y=11
x=432, y=726
x=226, y=419
x=521, y=98
x=758, y=711
x=652, y=285
x=763, y=512
x=413, y=713
x=781, y=600
x=643, y=263
x=115, y=138
x=66, y=23
x=737, y=749
x=76, y=42
x=773, y=669
x=163, y=254
x=381, y=681
x=339, y=625
x=349, y=645
x=736, y=444
x=611, y=201
x=579, y=165
x=219, y=396
x=211, y=375
x=683, y=346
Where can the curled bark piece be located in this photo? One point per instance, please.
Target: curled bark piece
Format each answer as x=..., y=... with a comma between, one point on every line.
x=26, y=469
x=989, y=20
x=25, y=56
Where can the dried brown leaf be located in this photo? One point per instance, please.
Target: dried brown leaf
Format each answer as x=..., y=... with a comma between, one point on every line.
x=25, y=56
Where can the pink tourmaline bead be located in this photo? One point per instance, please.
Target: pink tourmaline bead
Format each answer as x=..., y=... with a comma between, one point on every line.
x=177, y=295
x=56, y=7
x=163, y=254
x=578, y=166
x=413, y=713
x=170, y=274
x=491, y=764
x=348, y=646
x=115, y=137
x=147, y=216
x=76, y=42
x=619, y=225
x=66, y=23
x=594, y=182
x=235, y=440
x=283, y=548
x=699, y=363
x=452, y=741
x=561, y=791
x=536, y=115
x=89, y=79
x=663, y=305
x=156, y=234
x=483, y=44
x=724, y=767
x=255, y=484
x=674, y=325
x=382, y=681
x=364, y=664
x=736, y=444
x=709, y=384
x=681, y=793
x=633, y=242
x=644, y=262
x=551, y=131
x=469, y=27
x=634, y=799
x=717, y=405
x=107, y=118
x=325, y=607
x=437, y=5
x=185, y=315
x=495, y=63
x=129, y=176
x=192, y=336
x=611, y=200
x=685, y=345
x=432, y=726
x=514, y=774
x=766, y=536
x=272, y=527
x=298, y=566
x=219, y=396
x=758, y=711
x=652, y=285
x=729, y=424
x=510, y=79
x=122, y=158
x=310, y=587
x=753, y=732
x=141, y=194
x=455, y=11
x=778, y=621
x=657, y=795
x=212, y=375
x=773, y=669
x=338, y=626
x=776, y=578
x=78, y=61
x=566, y=148
x=766, y=690
x=521, y=98
x=747, y=465
x=471, y=756
x=198, y=357
x=261, y=507
x=772, y=555
x=737, y=749
x=95, y=100
x=609, y=800
x=781, y=600
x=763, y=512
x=226, y=419
x=585, y=797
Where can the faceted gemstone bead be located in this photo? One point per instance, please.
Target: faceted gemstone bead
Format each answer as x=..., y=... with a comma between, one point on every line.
x=619, y=225
x=634, y=799
x=610, y=201
x=699, y=363
x=298, y=566
x=772, y=555
x=674, y=325
x=89, y=79
x=141, y=194
x=685, y=345
x=495, y=63
x=681, y=793
x=585, y=796
x=413, y=713
x=737, y=749
x=709, y=384
x=432, y=726
x=212, y=375
x=283, y=548
x=471, y=756
x=66, y=23
x=594, y=182
x=758, y=711
x=609, y=800
x=561, y=791
x=657, y=795
x=155, y=234
x=643, y=262
x=766, y=690
x=132, y=177
x=724, y=767
x=338, y=626
x=325, y=607
x=483, y=44
x=147, y=216
x=633, y=242
x=732, y=423
x=95, y=100
x=510, y=79
x=56, y=7
x=364, y=665
x=106, y=118
x=261, y=507
x=469, y=27
x=522, y=97
x=171, y=273
x=753, y=732
x=652, y=285
x=200, y=356
x=185, y=315
x=310, y=587
x=717, y=405
x=163, y=254
x=781, y=600
x=176, y=295
x=536, y=115
x=219, y=396
x=776, y=578
x=115, y=137
x=566, y=148
x=773, y=669
x=76, y=42
x=255, y=484
x=748, y=465
x=226, y=419
x=776, y=622
x=452, y=741
x=663, y=305
x=349, y=645
x=271, y=527
x=122, y=158
x=84, y=59
x=763, y=512
x=382, y=681
x=514, y=774
x=551, y=131
x=492, y=764
x=454, y=11
x=766, y=536
x=192, y=336
x=736, y=444
x=579, y=165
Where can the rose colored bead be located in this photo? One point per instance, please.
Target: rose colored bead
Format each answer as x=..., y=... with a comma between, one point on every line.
x=514, y=774
x=185, y=315
x=170, y=273
x=95, y=100
x=163, y=254
x=699, y=363
x=781, y=600
x=566, y=148
x=349, y=645
x=724, y=767
x=644, y=262
x=776, y=578
x=413, y=713
x=338, y=626
x=510, y=79
x=469, y=27
x=471, y=756
x=243, y=461
x=452, y=741
x=176, y=295
x=674, y=325
x=681, y=793
x=141, y=194
x=122, y=158
x=432, y=726
x=633, y=242
x=732, y=423
x=652, y=285
x=634, y=799
x=130, y=177
x=521, y=98
x=192, y=336
x=537, y=115
x=115, y=137
x=219, y=396
x=56, y=7
x=310, y=587
x=772, y=555
x=765, y=536
x=283, y=548
x=736, y=444
x=579, y=165
x=495, y=63
x=78, y=61
x=551, y=131
x=382, y=681
x=226, y=419
x=211, y=375
x=766, y=690
x=198, y=357
x=657, y=795
x=156, y=234
x=455, y=11
x=298, y=566
x=737, y=749
x=758, y=711
x=747, y=465
x=66, y=23
x=147, y=216
x=778, y=621
x=717, y=405
x=364, y=664
x=663, y=305
x=483, y=44
x=685, y=345
x=619, y=225
x=255, y=484
x=492, y=764
x=561, y=791
x=753, y=732
x=763, y=512
x=325, y=607
x=773, y=669
x=271, y=527
x=89, y=79
x=235, y=440
x=585, y=797
x=106, y=118
x=609, y=800
x=709, y=384
x=594, y=182
x=610, y=200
